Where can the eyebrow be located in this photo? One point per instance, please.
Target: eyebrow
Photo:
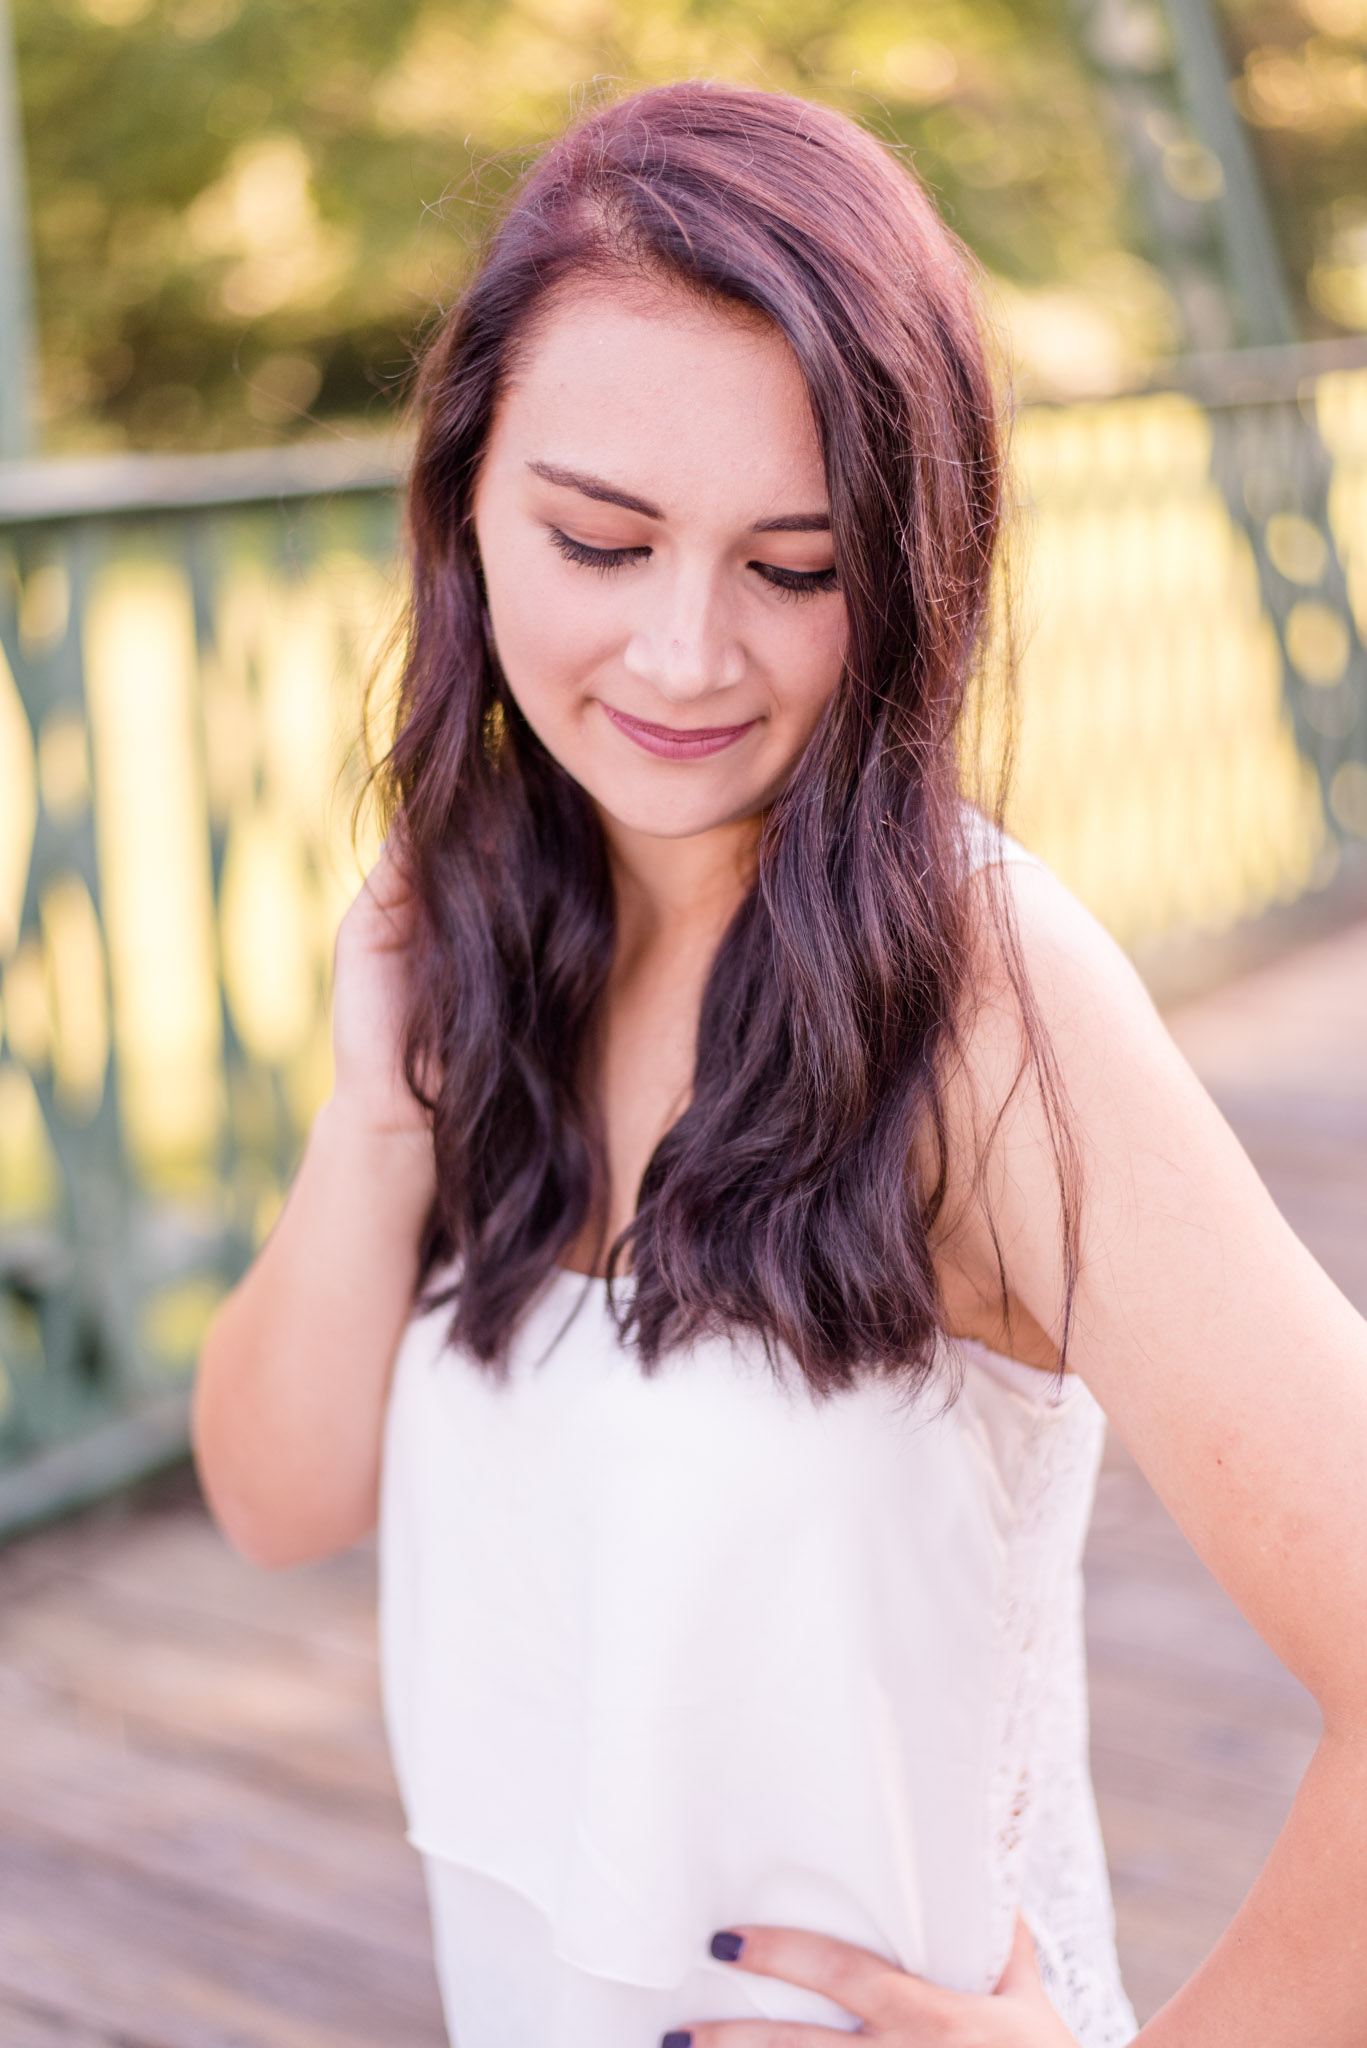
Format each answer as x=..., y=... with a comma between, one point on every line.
x=795, y=522
x=594, y=487
x=608, y=494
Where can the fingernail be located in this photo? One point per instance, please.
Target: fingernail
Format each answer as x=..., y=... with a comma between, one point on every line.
x=726, y=1947
x=677, y=2041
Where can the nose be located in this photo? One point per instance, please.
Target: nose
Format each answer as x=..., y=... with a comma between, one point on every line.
x=686, y=648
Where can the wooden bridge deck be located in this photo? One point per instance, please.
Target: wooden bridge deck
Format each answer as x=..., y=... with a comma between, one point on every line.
x=199, y=1841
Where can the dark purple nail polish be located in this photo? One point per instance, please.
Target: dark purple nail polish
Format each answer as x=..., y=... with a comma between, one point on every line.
x=677, y=2041
x=726, y=1947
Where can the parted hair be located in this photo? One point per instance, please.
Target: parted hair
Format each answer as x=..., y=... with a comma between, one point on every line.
x=796, y=1194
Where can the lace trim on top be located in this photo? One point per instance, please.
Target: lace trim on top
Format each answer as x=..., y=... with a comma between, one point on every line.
x=1045, y=1846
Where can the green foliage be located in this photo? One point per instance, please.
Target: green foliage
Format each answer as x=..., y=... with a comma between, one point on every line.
x=1302, y=84
x=244, y=210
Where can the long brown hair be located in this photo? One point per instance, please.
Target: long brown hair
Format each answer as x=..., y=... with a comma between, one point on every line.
x=784, y=1199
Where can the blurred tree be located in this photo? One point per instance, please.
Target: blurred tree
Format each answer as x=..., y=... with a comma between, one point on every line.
x=244, y=210
x=1302, y=84
x=1198, y=188
x=18, y=366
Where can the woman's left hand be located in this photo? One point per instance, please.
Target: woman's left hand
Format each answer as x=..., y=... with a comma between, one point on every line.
x=896, y=2009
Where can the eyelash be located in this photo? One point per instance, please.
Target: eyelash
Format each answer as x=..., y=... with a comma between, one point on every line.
x=798, y=583
x=601, y=559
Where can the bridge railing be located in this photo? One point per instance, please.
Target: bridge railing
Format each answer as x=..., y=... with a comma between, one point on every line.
x=186, y=644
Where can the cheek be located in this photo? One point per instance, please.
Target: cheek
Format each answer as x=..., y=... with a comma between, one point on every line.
x=812, y=661
x=547, y=630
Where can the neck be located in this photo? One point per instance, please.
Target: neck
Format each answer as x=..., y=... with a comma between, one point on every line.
x=683, y=891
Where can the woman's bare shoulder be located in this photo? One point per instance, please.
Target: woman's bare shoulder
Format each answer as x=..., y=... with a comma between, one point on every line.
x=1048, y=1000
x=1051, y=1015
x=1229, y=1362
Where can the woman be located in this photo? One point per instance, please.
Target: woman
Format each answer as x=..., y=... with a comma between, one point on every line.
x=781, y=1165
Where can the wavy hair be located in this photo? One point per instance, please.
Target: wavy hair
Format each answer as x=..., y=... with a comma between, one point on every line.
x=795, y=1194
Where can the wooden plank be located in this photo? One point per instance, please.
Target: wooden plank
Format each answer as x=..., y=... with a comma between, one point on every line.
x=270, y=1707
x=180, y=1820
x=30, y=2026
x=1199, y=1739
x=118, y=1947
x=205, y=1843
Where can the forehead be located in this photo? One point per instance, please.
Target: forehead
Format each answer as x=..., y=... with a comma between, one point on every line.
x=680, y=401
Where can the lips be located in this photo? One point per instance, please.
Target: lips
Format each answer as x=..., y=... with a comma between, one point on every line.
x=676, y=743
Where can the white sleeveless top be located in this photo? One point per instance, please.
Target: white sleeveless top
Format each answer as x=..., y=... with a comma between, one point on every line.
x=665, y=1654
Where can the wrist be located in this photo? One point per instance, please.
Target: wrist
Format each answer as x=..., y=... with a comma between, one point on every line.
x=396, y=1158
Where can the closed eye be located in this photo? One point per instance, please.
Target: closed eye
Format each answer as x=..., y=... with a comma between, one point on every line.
x=789, y=582
x=601, y=559
x=797, y=582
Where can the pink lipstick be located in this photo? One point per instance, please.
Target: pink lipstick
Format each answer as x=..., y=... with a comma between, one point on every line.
x=671, y=742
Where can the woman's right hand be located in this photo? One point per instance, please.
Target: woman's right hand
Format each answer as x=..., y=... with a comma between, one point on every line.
x=370, y=991
x=289, y=1403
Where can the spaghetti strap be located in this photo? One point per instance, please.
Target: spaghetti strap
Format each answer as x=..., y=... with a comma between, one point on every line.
x=986, y=844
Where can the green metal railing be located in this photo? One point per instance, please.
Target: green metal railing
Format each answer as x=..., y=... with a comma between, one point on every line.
x=187, y=642
x=186, y=646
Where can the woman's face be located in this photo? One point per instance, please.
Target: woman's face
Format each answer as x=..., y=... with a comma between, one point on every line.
x=653, y=523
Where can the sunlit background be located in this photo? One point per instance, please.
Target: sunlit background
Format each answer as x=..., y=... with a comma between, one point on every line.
x=244, y=210
x=243, y=216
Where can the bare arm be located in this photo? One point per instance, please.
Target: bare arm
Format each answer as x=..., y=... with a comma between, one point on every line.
x=289, y=1404
x=1237, y=1374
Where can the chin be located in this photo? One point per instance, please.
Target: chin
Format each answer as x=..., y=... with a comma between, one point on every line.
x=648, y=812
x=648, y=823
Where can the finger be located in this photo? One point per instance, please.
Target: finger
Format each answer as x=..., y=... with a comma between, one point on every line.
x=390, y=888
x=1022, y=1965
x=388, y=878
x=867, y=1985
x=754, y=2034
